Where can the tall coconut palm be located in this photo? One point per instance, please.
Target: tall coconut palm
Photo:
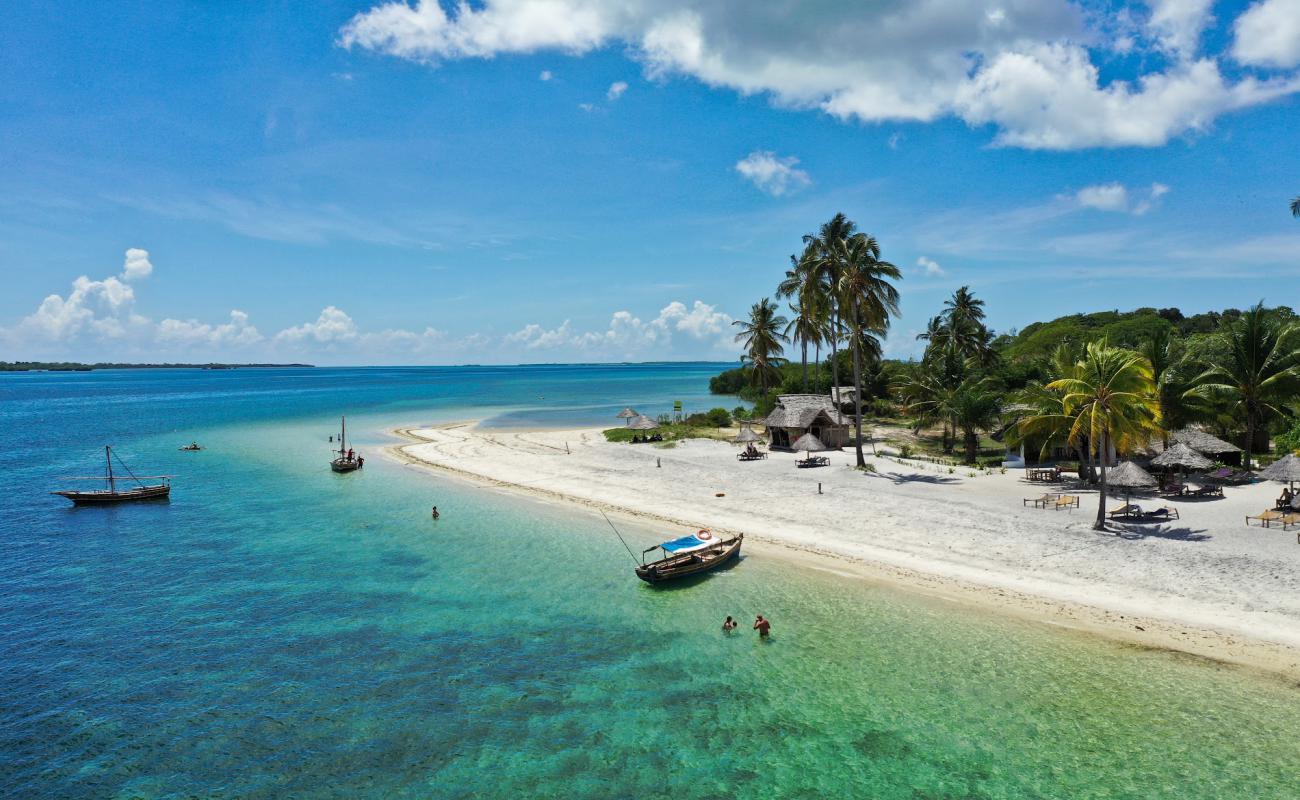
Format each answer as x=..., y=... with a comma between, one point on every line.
x=830, y=243
x=1259, y=373
x=803, y=281
x=762, y=337
x=869, y=301
x=1110, y=404
x=1295, y=207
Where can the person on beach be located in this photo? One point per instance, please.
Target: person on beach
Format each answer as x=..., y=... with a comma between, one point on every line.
x=728, y=625
x=762, y=626
x=1285, y=499
x=435, y=512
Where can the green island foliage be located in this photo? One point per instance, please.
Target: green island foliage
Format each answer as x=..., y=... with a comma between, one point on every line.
x=713, y=424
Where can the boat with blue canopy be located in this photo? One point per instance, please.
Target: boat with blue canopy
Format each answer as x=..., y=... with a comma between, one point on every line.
x=693, y=554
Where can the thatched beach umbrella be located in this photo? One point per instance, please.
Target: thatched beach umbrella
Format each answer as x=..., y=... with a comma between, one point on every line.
x=643, y=423
x=1285, y=470
x=1129, y=476
x=1183, y=457
x=747, y=436
x=627, y=415
x=809, y=444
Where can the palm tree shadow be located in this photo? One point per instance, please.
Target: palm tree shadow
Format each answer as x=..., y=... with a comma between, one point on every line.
x=1135, y=530
x=899, y=480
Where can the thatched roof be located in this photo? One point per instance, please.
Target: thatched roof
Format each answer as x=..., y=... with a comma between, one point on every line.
x=643, y=423
x=747, y=435
x=1286, y=469
x=843, y=394
x=1198, y=440
x=1129, y=475
x=1180, y=455
x=799, y=411
x=628, y=413
x=808, y=442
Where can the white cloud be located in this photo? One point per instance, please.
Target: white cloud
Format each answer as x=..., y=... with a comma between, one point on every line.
x=627, y=334
x=1104, y=197
x=929, y=266
x=772, y=174
x=1020, y=66
x=588, y=107
x=136, y=265
x=1268, y=34
x=1157, y=191
x=237, y=332
x=332, y=326
x=1176, y=25
x=545, y=76
x=616, y=90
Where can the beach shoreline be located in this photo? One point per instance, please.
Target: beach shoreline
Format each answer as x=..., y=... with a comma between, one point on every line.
x=521, y=462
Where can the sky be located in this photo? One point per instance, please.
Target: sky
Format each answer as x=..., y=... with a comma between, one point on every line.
x=518, y=181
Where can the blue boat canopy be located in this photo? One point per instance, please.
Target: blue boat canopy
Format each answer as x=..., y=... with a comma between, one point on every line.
x=692, y=542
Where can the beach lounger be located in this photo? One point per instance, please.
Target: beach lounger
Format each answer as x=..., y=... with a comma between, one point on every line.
x=1041, y=502
x=1127, y=510
x=1160, y=513
x=1267, y=518
x=1288, y=520
x=813, y=461
x=1207, y=491
x=1066, y=501
x=1173, y=490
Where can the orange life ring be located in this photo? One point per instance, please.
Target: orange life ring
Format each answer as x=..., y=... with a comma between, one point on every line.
x=704, y=535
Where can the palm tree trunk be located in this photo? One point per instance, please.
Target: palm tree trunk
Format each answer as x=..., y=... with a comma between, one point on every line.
x=835, y=367
x=857, y=382
x=1250, y=440
x=972, y=445
x=1100, y=524
x=804, y=344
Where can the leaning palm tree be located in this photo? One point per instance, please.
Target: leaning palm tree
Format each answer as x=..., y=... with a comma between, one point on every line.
x=870, y=300
x=1109, y=403
x=1259, y=373
x=803, y=281
x=762, y=337
x=1295, y=207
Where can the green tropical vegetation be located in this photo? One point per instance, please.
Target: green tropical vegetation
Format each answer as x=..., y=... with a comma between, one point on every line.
x=1093, y=386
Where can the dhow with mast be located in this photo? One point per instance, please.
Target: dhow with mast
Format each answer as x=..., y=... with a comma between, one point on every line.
x=112, y=493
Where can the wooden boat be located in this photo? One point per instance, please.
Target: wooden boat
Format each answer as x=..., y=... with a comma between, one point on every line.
x=347, y=460
x=689, y=555
x=112, y=494
x=190, y=448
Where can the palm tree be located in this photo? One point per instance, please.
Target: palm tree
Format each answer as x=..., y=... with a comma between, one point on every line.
x=1109, y=403
x=1259, y=373
x=803, y=281
x=762, y=336
x=1295, y=207
x=830, y=243
x=864, y=291
x=975, y=407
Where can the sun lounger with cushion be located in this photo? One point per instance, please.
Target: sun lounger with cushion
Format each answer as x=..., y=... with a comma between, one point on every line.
x=813, y=461
x=1126, y=510
x=1066, y=501
x=1267, y=518
x=1161, y=513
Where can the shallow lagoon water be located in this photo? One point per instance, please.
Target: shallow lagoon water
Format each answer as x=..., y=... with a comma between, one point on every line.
x=277, y=629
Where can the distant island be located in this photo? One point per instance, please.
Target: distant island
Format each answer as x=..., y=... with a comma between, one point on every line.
x=72, y=366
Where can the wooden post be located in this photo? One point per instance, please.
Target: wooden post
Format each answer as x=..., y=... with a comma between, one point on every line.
x=819, y=487
x=658, y=464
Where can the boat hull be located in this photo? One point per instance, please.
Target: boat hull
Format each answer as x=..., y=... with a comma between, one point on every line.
x=697, y=563
x=107, y=498
x=344, y=465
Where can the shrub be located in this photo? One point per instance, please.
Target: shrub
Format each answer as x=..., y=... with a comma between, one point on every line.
x=719, y=417
x=1288, y=442
x=905, y=451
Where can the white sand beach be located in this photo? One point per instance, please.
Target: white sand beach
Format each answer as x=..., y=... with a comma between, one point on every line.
x=1205, y=584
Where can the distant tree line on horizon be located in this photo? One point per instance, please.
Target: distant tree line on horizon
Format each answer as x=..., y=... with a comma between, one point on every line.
x=1101, y=384
x=74, y=366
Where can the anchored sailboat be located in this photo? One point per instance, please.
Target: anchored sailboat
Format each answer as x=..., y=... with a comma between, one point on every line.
x=689, y=555
x=347, y=460
x=111, y=493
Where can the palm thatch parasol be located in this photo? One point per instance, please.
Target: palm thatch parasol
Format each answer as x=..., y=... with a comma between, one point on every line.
x=1129, y=476
x=627, y=415
x=746, y=436
x=808, y=443
x=1181, y=456
x=1285, y=470
x=643, y=423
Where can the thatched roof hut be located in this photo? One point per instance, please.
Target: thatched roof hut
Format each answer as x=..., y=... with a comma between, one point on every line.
x=747, y=435
x=643, y=423
x=1129, y=476
x=799, y=414
x=1181, y=456
x=627, y=414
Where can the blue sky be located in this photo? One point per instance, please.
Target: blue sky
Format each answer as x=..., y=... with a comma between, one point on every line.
x=571, y=180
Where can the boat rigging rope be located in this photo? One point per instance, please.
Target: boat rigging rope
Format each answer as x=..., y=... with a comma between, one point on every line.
x=620, y=538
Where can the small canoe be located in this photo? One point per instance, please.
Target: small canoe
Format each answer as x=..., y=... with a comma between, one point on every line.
x=689, y=555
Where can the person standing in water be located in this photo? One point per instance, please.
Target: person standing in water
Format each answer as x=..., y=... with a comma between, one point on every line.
x=435, y=512
x=762, y=626
x=728, y=625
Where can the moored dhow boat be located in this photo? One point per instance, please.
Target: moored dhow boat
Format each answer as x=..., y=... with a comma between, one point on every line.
x=689, y=555
x=190, y=448
x=111, y=493
x=347, y=460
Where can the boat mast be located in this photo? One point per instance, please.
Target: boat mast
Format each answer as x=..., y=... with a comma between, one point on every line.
x=343, y=439
x=108, y=459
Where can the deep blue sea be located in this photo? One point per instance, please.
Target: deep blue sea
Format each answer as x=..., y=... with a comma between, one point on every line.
x=276, y=630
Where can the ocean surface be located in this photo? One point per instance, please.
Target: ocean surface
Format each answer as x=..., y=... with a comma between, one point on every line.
x=278, y=630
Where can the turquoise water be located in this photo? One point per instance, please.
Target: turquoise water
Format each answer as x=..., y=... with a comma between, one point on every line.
x=280, y=630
